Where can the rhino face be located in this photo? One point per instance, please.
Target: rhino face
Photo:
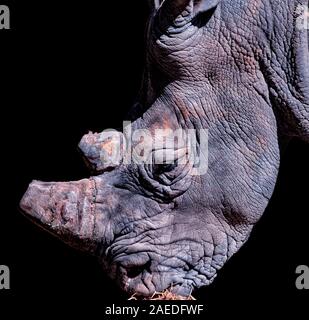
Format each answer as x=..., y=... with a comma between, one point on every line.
x=157, y=224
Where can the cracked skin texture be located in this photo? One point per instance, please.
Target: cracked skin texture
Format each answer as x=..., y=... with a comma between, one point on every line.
x=237, y=68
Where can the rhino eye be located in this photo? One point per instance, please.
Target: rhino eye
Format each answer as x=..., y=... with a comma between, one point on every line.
x=167, y=175
x=164, y=168
x=167, y=164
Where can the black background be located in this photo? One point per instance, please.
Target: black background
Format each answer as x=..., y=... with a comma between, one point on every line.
x=72, y=66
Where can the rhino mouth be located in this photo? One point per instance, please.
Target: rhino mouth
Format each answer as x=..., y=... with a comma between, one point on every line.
x=143, y=270
x=141, y=281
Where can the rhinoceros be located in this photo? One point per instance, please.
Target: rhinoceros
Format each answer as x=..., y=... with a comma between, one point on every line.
x=236, y=74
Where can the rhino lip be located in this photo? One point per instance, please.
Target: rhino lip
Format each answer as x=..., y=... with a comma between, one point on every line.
x=139, y=280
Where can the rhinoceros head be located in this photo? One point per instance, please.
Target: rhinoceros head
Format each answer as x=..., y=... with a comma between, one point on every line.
x=177, y=193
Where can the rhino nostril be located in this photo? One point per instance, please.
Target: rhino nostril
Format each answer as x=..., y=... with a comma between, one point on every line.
x=134, y=271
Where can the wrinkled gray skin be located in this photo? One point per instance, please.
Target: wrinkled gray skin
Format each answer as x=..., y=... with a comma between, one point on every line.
x=237, y=68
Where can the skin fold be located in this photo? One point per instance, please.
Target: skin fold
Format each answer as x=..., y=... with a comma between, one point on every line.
x=239, y=69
